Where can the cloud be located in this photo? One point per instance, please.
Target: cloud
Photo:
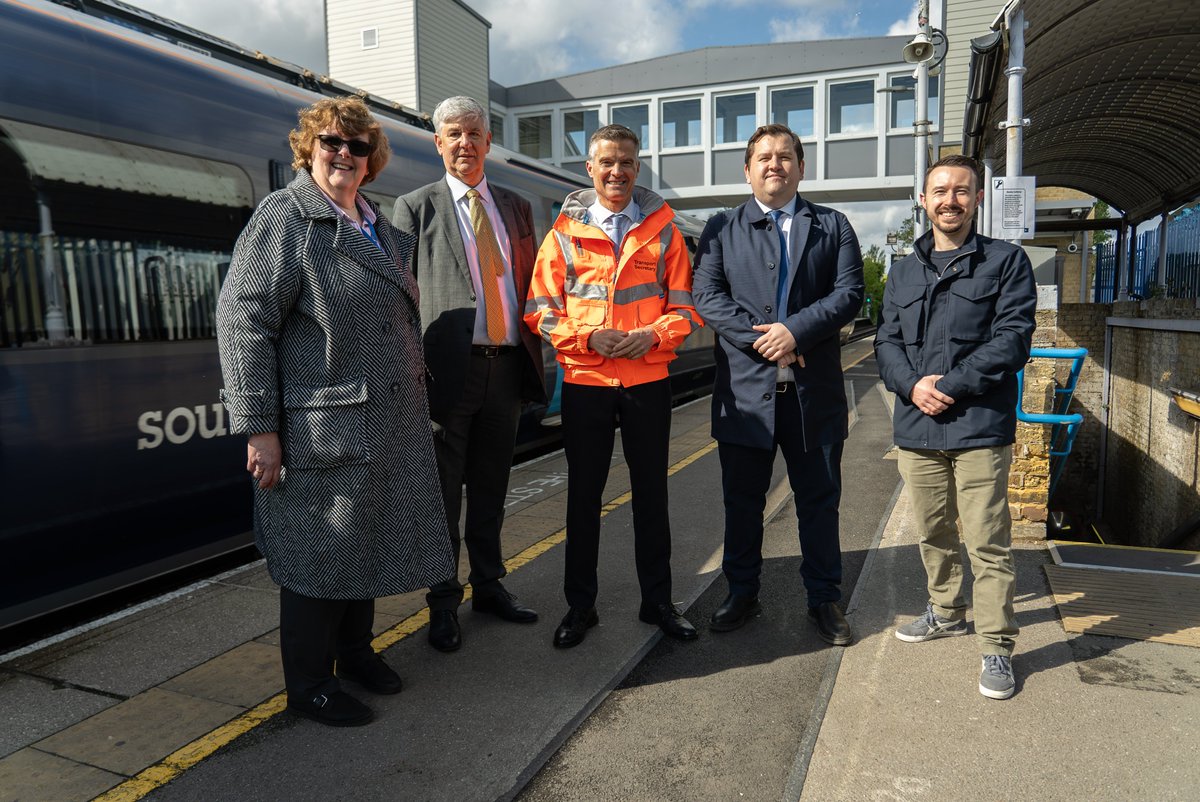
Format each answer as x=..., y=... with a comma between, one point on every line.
x=872, y=220
x=548, y=38
x=292, y=30
x=801, y=29
x=903, y=27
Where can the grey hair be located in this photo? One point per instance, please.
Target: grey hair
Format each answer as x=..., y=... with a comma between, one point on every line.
x=457, y=108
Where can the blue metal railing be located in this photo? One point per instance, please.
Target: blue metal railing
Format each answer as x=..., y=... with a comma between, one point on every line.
x=1065, y=426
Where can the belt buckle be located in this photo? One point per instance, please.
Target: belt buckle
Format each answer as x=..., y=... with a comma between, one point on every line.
x=488, y=351
x=782, y=387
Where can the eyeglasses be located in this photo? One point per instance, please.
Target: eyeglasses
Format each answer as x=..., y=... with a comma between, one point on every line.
x=334, y=144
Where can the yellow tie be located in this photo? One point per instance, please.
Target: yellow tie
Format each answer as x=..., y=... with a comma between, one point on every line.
x=491, y=267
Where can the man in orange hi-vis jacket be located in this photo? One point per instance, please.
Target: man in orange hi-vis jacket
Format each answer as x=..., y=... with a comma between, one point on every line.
x=612, y=292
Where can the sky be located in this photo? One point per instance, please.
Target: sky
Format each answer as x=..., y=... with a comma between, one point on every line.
x=541, y=39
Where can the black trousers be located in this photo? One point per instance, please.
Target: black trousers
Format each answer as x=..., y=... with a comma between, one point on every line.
x=590, y=415
x=816, y=479
x=475, y=448
x=313, y=633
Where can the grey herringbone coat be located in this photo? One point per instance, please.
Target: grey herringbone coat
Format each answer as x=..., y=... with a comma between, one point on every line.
x=320, y=340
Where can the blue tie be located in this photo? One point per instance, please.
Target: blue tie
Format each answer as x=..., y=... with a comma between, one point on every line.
x=619, y=220
x=781, y=290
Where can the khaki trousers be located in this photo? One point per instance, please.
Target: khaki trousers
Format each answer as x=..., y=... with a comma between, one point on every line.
x=970, y=485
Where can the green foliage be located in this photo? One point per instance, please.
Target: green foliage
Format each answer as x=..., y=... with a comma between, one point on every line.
x=1100, y=212
x=874, y=263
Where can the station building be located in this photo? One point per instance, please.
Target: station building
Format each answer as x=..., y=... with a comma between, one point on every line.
x=851, y=101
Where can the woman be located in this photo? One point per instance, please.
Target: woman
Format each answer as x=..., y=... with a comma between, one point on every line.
x=320, y=343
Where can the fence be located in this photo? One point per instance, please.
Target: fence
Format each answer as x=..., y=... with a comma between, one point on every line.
x=112, y=291
x=1182, y=275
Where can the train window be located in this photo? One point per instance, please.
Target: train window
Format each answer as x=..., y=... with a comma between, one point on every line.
x=281, y=174
x=113, y=291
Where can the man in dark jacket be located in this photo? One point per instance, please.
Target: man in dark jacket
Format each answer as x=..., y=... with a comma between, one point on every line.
x=777, y=278
x=958, y=318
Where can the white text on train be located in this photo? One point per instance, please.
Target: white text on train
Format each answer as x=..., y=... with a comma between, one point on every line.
x=181, y=425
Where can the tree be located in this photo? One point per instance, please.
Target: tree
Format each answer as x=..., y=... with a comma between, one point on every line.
x=874, y=263
x=1100, y=212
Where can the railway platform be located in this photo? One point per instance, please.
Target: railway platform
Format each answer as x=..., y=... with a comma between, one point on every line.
x=181, y=699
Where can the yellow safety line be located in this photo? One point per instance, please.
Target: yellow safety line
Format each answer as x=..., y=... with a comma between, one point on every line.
x=1103, y=545
x=182, y=759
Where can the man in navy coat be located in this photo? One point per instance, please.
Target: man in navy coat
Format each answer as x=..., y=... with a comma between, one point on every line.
x=777, y=278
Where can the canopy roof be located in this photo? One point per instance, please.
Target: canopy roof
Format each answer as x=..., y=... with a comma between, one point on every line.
x=1112, y=92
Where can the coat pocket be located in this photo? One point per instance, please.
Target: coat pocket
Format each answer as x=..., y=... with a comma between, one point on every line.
x=324, y=426
x=910, y=309
x=972, y=308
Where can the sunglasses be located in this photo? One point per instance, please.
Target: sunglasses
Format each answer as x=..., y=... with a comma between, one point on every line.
x=334, y=144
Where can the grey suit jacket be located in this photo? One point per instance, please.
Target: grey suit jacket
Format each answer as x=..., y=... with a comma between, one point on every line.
x=734, y=287
x=448, y=296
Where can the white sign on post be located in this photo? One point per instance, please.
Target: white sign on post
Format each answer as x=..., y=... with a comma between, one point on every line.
x=1012, y=207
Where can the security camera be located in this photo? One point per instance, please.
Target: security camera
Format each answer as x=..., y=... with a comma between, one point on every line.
x=1072, y=247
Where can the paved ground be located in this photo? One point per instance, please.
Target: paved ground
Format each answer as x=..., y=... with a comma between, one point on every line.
x=181, y=701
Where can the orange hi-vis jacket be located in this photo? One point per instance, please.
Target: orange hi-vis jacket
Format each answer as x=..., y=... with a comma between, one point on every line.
x=581, y=286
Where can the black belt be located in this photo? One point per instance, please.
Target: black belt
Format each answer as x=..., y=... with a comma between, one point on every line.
x=782, y=387
x=491, y=351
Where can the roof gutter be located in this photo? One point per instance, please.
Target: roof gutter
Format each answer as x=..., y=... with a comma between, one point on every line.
x=987, y=57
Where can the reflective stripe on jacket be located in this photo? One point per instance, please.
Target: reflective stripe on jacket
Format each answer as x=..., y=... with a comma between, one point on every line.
x=580, y=286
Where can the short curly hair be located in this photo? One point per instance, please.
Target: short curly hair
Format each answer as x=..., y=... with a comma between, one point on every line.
x=348, y=115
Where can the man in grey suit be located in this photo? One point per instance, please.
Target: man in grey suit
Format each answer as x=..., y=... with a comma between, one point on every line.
x=777, y=278
x=473, y=261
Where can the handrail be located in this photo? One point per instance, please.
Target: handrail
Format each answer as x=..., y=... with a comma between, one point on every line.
x=1062, y=436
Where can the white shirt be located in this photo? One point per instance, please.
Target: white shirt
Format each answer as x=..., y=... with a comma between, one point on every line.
x=785, y=222
x=508, y=286
x=601, y=216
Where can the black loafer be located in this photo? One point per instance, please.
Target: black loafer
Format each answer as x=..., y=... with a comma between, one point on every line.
x=831, y=624
x=337, y=709
x=503, y=604
x=444, y=634
x=373, y=674
x=574, y=627
x=668, y=618
x=733, y=612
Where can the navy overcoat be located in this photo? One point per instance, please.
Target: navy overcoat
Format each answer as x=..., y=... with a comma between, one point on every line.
x=734, y=287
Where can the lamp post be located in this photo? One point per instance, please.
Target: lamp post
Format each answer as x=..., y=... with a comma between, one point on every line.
x=920, y=51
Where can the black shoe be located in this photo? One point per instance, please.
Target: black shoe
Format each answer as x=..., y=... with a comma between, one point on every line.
x=373, y=674
x=734, y=612
x=504, y=605
x=337, y=709
x=831, y=624
x=668, y=618
x=574, y=627
x=444, y=634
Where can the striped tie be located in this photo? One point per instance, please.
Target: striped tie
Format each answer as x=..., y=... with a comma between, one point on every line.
x=491, y=267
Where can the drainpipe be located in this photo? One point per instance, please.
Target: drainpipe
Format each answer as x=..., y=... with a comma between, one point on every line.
x=56, y=322
x=985, y=219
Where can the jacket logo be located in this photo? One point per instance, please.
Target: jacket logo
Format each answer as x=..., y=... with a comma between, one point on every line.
x=641, y=264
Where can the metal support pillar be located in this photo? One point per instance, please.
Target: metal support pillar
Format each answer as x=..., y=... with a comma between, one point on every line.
x=1014, y=126
x=1122, y=281
x=1162, y=252
x=985, y=216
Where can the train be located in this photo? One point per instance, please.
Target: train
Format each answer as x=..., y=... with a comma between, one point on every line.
x=132, y=152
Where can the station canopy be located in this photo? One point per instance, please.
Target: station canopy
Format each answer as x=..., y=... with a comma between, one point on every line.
x=1112, y=92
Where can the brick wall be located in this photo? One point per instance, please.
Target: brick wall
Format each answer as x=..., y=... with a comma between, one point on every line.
x=1149, y=482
